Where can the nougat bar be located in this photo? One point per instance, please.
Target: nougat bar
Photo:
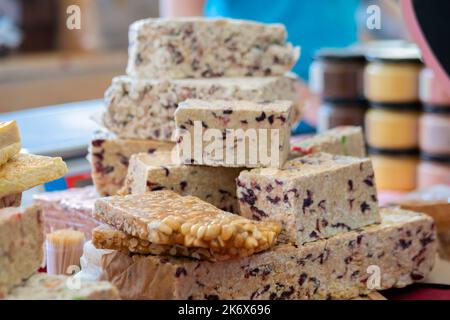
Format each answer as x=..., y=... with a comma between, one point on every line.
x=164, y=217
x=9, y=140
x=13, y=200
x=60, y=287
x=21, y=245
x=107, y=237
x=344, y=140
x=204, y=48
x=395, y=253
x=234, y=133
x=159, y=171
x=315, y=196
x=24, y=171
x=144, y=108
x=109, y=157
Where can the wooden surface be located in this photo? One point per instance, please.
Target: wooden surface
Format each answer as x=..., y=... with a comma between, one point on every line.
x=46, y=79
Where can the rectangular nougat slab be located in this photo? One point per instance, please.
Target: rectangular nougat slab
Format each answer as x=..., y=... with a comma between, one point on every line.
x=110, y=156
x=315, y=196
x=345, y=140
x=60, y=287
x=397, y=252
x=234, y=133
x=144, y=108
x=9, y=140
x=13, y=200
x=25, y=171
x=158, y=171
x=166, y=218
x=204, y=48
x=21, y=245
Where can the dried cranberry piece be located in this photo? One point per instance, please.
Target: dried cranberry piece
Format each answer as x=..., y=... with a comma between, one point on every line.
x=183, y=185
x=98, y=142
x=270, y=119
x=273, y=200
x=350, y=185
x=308, y=201
x=261, y=117
x=416, y=275
x=302, y=278
x=364, y=207
x=180, y=271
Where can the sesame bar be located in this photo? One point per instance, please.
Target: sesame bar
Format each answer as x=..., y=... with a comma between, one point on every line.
x=13, y=200
x=345, y=140
x=109, y=157
x=313, y=197
x=158, y=171
x=144, y=108
x=21, y=241
x=9, y=140
x=58, y=287
x=164, y=217
x=25, y=171
x=400, y=250
x=205, y=48
x=241, y=133
x=106, y=237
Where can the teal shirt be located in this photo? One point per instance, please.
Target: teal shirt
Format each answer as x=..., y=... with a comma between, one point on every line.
x=311, y=24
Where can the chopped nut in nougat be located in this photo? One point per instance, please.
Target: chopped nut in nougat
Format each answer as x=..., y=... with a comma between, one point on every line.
x=13, y=200
x=110, y=156
x=21, y=245
x=164, y=217
x=158, y=171
x=197, y=47
x=9, y=140
x=315, y=196
x=345, y=141
x=138, y=108
x=401, y=250
x=106, y=237
x=43, y=286
x=24, y=171
x=234, y=133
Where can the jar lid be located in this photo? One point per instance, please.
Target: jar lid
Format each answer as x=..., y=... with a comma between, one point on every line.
x=392, y=152
x=395, y=55
x=342, y=102
x=441, y=158
x=340, y=55
x=436, y=109
x=414, y=106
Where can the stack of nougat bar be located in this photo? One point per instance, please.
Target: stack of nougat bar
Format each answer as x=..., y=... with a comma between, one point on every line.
x=306, y=222
x=177, y=59
x=22, y=229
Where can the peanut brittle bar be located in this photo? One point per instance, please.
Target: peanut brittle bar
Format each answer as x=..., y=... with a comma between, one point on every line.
x=164, y=217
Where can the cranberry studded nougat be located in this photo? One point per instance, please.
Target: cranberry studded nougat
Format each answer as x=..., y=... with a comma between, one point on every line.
x=315, y=196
